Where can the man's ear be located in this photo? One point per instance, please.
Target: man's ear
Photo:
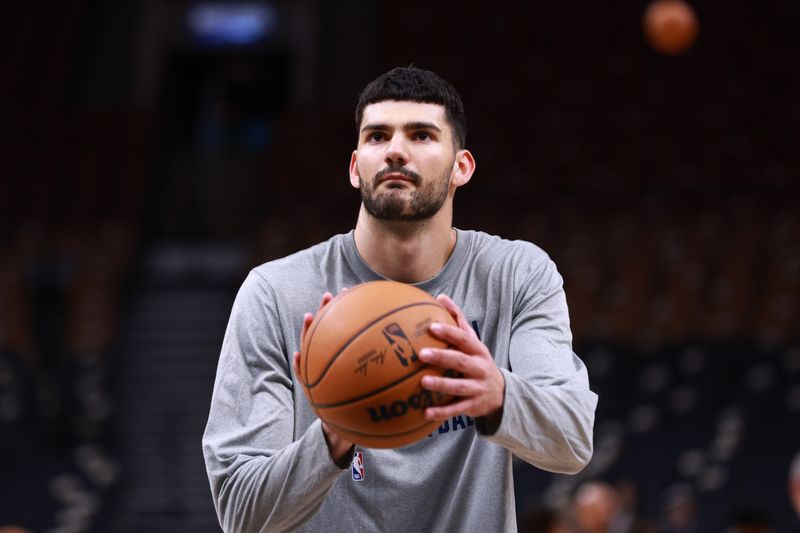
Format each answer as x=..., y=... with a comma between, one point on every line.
x=354, y=181
x=463, y=168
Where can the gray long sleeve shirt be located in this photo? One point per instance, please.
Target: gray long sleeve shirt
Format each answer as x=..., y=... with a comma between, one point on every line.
x=265, y=452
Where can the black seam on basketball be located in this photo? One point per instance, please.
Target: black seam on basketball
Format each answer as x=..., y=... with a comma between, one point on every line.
x=372, y=392
x=357, y=334
x=311, y=336
x=386, y=436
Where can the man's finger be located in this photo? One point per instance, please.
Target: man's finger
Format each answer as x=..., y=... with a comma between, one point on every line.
x=452, y=386
x=326, y=298
x=296, y=365
x=461, y=338
x=308, y=318
x=454, y=310
x=449, y=410
x=447, y=358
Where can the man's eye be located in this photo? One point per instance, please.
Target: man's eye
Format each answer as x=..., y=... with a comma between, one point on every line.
x=423, y=136
x=375, y=137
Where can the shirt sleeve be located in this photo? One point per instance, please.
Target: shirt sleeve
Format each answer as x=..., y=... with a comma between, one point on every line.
x=263, y=477
x=548, y=411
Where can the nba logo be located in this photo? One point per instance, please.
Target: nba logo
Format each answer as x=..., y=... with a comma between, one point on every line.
x=357, y=468
x=399, y=342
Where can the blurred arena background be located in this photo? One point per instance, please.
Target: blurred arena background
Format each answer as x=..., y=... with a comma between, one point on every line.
x=154, y=150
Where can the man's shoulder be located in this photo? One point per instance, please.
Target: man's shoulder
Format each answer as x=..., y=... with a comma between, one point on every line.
x=495, y=247
x=299, y=265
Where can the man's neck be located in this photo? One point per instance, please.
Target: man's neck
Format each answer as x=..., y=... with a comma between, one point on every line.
x=409, y=252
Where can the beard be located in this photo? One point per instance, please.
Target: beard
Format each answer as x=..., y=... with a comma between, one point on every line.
x=400, y=204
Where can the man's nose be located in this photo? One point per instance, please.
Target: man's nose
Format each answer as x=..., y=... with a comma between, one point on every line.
x=396, y=153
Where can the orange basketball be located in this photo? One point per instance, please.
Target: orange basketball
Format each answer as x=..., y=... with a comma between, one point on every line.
x=670, y=26
x=360, y=366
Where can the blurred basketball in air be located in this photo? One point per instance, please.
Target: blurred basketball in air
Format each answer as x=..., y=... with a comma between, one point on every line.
x=670, y=26
x=360, y=365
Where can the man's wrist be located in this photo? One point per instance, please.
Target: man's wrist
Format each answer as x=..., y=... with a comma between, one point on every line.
x=489, y=423
x=339, y=449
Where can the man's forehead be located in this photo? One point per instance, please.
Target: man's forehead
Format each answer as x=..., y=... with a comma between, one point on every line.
x=404, y=111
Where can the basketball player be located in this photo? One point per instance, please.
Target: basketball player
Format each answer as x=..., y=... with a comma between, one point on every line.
x=273, y=466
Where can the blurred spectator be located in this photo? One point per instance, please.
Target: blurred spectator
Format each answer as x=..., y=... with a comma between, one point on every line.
x=794, y=487
x=595, y=508
x=679, y=514
x=543, y=520
x=749, y=521
x=628, y=518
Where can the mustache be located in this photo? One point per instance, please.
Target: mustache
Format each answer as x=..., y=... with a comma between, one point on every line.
x=394, y=169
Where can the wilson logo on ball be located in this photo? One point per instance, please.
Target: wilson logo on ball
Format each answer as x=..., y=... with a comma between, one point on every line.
x=419, y=401
x=400, y=407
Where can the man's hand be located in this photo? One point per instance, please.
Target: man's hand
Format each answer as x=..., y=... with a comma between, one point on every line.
x=481, y=390
x=337, y=446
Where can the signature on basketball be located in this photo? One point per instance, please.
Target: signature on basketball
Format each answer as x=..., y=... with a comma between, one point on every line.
x=376, y=357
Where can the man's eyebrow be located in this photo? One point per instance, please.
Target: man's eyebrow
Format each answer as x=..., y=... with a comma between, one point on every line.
x=375, y=127
x=407, y=126
x=421, y=126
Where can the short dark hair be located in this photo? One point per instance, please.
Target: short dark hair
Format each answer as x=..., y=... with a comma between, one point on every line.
x=416, y=85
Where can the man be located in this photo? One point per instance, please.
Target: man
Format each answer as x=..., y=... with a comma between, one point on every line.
x=274, y=466
x=595, y=508
x=794, y=485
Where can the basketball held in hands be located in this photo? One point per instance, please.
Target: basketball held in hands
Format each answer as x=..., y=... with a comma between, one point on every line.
x=360, y=366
